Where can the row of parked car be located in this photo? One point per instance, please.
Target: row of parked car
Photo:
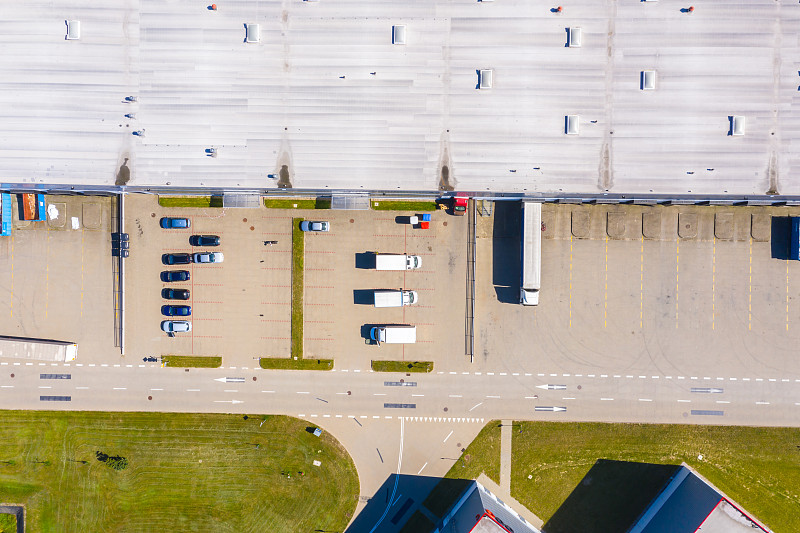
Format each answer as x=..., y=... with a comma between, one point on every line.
x=170, y=327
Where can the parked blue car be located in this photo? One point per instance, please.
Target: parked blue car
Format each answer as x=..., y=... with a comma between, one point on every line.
x=174, y=275
x=176, y=310
x=175, y=223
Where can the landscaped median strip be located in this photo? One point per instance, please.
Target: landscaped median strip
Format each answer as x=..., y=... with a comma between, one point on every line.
x=402, y=366
x=183, y=361
x=190, y=201
x=297, y=203
x=403, y=205
x=296, y=361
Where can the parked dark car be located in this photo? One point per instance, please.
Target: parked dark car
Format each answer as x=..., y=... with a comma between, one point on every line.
x=175, y=294
x=175, y=223
x=204, y=240
x=176, y=259
x=174, y=275
x=176, y=310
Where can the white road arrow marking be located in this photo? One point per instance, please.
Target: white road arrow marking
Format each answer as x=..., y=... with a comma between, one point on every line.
x=552, y=387
x=230, y=380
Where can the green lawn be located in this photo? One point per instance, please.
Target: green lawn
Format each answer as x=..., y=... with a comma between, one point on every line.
x=402, y=205
x=186, y=472
x=285, y=363
x=297, y=203
x=402, y=366
x=758, y=467
x=8, y=523
x=190, y=201
x=298, y=267
x=198, y=361
x=482, y=455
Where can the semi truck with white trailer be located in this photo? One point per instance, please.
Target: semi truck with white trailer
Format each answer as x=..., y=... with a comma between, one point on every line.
x=531, y=253
x=41, y=350
x=397, y=262
x=394, y=334
x=395, y=298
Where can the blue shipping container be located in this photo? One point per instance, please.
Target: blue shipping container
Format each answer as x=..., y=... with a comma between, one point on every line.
x=794, y=239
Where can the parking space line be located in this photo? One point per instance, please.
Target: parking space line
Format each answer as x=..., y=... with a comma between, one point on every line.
x=677, y=276
x=787, y=295
x=605, y=291
x=47, y=276
x=750, y=290
x=713, y=282
x=570, y=280
x=11, y=295
x=83, y=234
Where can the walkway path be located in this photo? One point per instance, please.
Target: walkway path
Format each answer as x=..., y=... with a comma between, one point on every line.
x=505, y=455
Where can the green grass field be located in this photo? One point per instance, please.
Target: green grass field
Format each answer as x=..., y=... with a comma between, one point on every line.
x=402, y=205
x=195, y=361
x=758, y=467
x=190, y=201
x=186, y=472
x=402, y=366
x=297, y=203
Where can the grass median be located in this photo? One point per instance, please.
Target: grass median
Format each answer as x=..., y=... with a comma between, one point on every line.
x=190, y=201
x=298, y=271
x=297, y=203
x=189, y=361
x=757, y=467
x=402, y=366
x=402, y=205
x=282, y=363
x=185, y=472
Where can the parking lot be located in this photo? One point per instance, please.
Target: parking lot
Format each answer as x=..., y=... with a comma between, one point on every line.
x=57, y=277
x=681, y=290
x=241, y=307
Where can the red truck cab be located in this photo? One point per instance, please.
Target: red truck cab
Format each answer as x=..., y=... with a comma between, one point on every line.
x=460, y=205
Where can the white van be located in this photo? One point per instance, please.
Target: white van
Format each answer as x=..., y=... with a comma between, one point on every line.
x=396, y=298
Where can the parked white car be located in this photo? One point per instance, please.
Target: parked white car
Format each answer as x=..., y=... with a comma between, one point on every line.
x=208, y=257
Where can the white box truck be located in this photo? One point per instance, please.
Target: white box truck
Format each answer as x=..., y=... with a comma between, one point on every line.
x=397, y=334
x=397, y=262
x=396, y=298
x=531, y=253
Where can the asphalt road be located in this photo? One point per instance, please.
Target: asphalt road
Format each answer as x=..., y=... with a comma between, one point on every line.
x=703, y=399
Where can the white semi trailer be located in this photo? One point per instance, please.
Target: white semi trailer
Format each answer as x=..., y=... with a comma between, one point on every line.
x=531, y=253
x=41, y=350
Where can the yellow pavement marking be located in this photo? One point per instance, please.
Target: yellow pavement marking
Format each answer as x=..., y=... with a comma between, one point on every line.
x=47, y=277
x=787, y=295
x=641, y=285
x=570, y=281
x=677, y=277
x=750, y=290
x=713, y=282
x=11, y=296
x=605, y=295
x=83, y=233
